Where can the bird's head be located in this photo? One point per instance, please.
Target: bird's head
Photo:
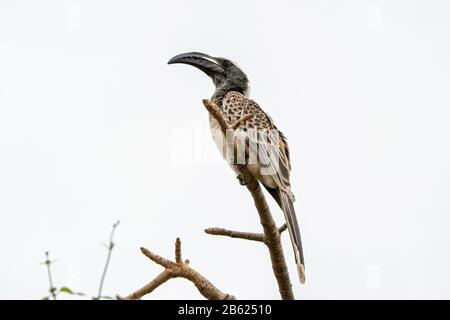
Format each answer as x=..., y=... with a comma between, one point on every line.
x=225, y=74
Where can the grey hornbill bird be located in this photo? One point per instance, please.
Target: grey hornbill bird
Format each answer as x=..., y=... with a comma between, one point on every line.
x=269, y=144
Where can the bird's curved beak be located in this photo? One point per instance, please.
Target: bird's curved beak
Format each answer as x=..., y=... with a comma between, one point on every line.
x=202, y=61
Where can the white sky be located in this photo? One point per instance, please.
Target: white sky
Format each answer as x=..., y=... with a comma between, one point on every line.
x=95, y=127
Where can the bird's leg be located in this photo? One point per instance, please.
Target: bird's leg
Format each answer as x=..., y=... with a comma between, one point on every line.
x=242, y=182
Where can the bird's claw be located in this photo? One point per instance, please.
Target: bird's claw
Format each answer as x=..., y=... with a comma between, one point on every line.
x=241, y=180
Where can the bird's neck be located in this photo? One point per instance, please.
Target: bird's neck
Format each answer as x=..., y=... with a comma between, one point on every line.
x=218, y=96
x=221, y=91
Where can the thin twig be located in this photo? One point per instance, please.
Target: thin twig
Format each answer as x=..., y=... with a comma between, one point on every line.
x=282, y=228
x=47, y=262
x=148, y=288
x=178, y=258
x=259, y=237
x=236, y=234
x=242, y=121
x=271, y=232
x=174, y=270
x=108, y=258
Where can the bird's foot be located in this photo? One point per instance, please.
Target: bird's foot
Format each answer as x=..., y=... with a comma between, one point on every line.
x=241, y=180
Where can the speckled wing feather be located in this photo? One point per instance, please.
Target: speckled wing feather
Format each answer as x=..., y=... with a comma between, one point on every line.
x=271, y=144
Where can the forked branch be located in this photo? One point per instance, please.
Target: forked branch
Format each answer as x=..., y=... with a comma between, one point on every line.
x=178, y=269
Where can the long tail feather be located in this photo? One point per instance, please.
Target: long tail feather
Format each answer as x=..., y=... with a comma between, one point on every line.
x=289, y=213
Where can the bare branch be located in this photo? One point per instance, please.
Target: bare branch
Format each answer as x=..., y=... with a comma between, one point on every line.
x=178, y=269
x=271, y=232
x=253, y=236
x=163, y=262
x=214, y=110
x=48, y=263
x=148, y=288
x=108, y=259
x=282, y=228
x=241, y=121
x=178, y=251
x=236, y=234
x=272, y=242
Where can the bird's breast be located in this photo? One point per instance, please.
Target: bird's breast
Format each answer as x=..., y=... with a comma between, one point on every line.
x=217, y=134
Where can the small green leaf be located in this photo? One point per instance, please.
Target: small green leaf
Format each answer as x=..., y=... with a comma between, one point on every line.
x=45, y=298
x=70, y=291
x=66, y=290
